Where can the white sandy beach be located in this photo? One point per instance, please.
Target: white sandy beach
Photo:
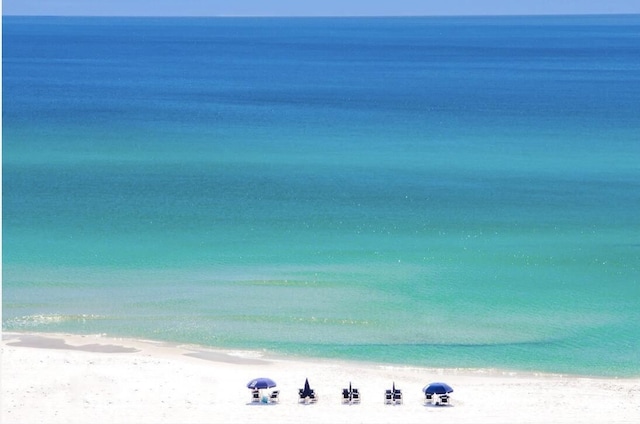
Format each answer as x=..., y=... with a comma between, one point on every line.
x=66, y=379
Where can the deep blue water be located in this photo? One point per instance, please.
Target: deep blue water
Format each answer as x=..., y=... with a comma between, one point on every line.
x=458, y=192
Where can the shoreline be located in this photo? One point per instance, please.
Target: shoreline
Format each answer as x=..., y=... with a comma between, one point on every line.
x=51, y=378
x=101, y=343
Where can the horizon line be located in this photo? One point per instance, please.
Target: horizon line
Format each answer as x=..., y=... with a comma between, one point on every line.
x=453, y=15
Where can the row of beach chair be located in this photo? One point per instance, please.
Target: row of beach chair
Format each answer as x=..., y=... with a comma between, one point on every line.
x=306, y=395
x=349, y=396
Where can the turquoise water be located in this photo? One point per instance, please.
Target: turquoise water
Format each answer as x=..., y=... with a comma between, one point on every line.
x=449, y=192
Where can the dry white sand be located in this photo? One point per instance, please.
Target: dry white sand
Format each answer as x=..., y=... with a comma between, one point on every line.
x=93, y=379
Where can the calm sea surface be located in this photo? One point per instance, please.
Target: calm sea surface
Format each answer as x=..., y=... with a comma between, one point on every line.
x=446, y=192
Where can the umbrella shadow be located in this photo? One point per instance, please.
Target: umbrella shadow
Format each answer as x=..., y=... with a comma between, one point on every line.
x=437, y=406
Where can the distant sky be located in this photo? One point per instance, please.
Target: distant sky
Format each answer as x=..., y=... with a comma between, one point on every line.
x=315, y=7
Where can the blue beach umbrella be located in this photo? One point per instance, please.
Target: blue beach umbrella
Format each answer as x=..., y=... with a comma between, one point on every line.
x=261, y=383
x=437, y=389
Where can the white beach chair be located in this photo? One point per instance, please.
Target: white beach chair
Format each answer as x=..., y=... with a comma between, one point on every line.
x=355, y=396
x=444, y=399
x=397, y=396
x=388, y=397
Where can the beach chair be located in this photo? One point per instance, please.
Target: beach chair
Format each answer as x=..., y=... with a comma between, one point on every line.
x=255, y=396
x=444, y=399
x=346, y=396
x=309, y=397
x=355, y=396
x=273, y=398
x=429, y=397
x=388, y=397
x=397, y=396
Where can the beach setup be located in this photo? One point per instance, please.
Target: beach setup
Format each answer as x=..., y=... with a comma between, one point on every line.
x=258, y=386
x=393, y=396
x=437, y=393
x=307, y=394
x=350, y=395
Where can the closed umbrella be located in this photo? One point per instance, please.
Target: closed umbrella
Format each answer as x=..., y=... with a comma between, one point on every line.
x=306, y=392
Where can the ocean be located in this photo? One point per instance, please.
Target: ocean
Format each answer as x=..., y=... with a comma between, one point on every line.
x=434, y=191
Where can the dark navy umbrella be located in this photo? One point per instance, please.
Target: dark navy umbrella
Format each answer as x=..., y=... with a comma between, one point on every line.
x=306, y=392
x=261, y=383
x=437, y=389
